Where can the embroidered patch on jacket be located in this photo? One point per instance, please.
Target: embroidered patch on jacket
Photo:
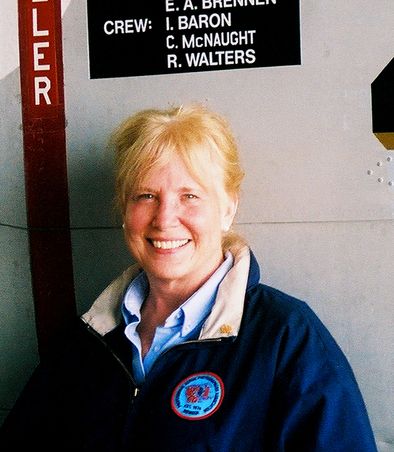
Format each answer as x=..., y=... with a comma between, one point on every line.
x=198, y=396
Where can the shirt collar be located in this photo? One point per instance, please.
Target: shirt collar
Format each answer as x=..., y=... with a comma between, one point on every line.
x=191, y=313
x=134, y=297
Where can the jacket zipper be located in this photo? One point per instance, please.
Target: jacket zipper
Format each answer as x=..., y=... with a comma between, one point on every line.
x=92, y=331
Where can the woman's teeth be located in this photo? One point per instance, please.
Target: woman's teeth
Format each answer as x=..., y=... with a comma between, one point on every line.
x=170, y=244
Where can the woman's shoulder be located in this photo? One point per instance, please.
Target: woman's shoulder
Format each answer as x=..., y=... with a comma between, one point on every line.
x=263, y=297
x=290, y=321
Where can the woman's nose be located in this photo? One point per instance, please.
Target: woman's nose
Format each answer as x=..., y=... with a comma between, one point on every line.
x=166, y=215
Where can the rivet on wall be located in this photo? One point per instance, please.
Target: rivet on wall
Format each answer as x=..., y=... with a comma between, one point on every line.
x=380, y=164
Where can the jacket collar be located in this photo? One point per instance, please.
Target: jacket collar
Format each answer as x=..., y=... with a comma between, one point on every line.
x=224, y=319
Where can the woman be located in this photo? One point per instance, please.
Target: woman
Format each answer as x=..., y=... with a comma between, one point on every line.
x=187, y=351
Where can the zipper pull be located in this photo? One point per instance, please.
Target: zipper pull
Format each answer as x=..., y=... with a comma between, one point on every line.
x=136, y=391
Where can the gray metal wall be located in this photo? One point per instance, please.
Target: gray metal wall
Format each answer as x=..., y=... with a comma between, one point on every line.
x=320, y=225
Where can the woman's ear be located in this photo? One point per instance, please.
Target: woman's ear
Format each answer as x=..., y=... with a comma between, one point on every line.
x=229, y=211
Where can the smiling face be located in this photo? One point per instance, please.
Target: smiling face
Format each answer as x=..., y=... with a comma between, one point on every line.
x=174, y=225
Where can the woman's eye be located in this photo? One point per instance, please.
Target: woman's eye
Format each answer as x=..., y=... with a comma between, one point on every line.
x=143, y=197
x=190, y=196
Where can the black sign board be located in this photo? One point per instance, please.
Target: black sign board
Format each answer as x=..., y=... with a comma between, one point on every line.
x=132, y=38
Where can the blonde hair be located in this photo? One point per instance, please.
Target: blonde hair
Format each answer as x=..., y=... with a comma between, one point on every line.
x=200, y=137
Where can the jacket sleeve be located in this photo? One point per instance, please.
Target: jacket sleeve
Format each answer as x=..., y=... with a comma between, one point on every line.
x=37, y=419
x=317, y=404
x=30, y=419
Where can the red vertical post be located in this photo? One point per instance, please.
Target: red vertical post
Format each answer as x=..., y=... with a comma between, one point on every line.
x=44, y=141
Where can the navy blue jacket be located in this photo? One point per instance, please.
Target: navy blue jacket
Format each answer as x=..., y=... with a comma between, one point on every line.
x=269, y=377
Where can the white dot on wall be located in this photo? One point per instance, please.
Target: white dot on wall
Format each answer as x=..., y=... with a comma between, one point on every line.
x=379, y=177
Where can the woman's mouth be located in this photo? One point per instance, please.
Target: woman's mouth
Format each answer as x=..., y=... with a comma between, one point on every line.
x=169, y=244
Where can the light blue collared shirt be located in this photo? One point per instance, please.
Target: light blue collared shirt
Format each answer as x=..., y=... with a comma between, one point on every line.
x=183, y=324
